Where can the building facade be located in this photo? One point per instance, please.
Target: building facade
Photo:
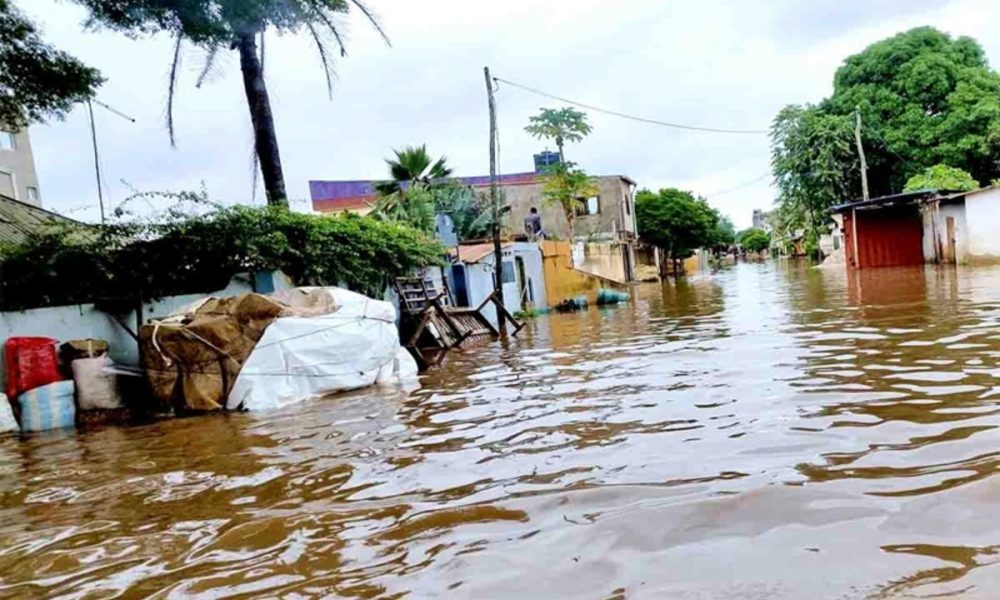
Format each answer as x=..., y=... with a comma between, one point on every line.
x=607, y=217
x=18, y=180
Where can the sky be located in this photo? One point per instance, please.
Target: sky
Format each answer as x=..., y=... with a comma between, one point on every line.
x=723, y=64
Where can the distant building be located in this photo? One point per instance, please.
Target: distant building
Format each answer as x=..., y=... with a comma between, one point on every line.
x=545, y=159
x=762, y=220
x=607, y=217
x=18, y=180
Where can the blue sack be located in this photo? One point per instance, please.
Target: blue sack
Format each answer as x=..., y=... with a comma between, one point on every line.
x=47, y=407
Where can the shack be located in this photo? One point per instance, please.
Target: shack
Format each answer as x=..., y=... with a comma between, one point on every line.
x=961, y=228
x=473, y=271
x=886, y=231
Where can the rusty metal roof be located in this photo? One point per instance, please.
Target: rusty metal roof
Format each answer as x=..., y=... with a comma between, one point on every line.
x=474, y=253
x=18, y=220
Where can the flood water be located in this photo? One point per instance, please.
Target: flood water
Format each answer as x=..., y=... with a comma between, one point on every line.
x=768, y=432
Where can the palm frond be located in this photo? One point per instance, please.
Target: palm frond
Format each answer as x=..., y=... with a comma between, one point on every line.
x=372, y=19
x=330, y=25
x=171, y=89
x=206, y=70
x=327, y=70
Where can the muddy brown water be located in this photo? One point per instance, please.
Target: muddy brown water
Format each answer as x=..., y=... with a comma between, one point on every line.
x=769, y=432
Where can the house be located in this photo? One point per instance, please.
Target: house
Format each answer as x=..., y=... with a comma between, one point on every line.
x=884, y=232
x=962, y=228
x=922, y=227
x=18, y=179
x=471, y=276
x=762, y=220
x=605, y=228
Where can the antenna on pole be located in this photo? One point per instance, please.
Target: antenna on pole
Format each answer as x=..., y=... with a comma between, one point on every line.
x=861, y=152
x=97, y=156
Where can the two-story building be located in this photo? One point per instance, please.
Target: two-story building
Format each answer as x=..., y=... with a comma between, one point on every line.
x=605, y=232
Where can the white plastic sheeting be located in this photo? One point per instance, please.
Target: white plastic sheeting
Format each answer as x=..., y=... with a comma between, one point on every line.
x=303, y=357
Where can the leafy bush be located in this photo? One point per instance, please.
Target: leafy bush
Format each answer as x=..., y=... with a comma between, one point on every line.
x=941, y=178
x=755, y=240
x=128, y=262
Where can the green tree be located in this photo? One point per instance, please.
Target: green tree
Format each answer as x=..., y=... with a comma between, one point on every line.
x=755, y=240
x=412, y=166
x=37, y=81
x=568, y=187
x=676, y=222
x=813, y=162
x=943, y=178
x=220, y=25
x=468, y=210
x=925, y=98
x=725, y=232
x=560, y=125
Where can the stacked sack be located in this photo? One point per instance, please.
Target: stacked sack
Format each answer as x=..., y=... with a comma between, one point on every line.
x=45, y=399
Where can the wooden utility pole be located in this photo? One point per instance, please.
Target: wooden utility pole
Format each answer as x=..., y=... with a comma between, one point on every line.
x=495, y=199
x=861, y=152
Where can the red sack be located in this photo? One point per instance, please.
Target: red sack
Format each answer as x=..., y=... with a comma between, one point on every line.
x=31, y=363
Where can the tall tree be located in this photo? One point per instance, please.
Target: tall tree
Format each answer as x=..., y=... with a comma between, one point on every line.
x=814, y=164
x=560, y=125
x=676, y=222
x=218, y=25
x=37, y=81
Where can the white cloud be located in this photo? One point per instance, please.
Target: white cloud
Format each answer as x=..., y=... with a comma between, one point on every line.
x=712, y=63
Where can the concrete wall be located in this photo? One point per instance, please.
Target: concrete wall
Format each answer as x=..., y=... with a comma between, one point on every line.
x=479, y=279
x=83, y=321
x=937, y=246
x=563, y=282
x=534, y=272
x=604, y=259
x=17, y=169
x=982, y=215
x=616, y=202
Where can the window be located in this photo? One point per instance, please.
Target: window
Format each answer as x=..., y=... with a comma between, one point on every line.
x=7, y=140
x=32, y=194
x=588, y=206
x=507, y=268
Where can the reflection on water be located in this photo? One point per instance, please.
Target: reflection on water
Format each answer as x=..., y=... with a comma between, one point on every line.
x=773, y=431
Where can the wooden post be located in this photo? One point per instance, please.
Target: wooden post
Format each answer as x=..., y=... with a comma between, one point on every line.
x=494, y=199
x=861, y=152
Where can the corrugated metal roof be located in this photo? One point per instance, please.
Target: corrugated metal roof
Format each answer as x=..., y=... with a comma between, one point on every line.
x=474, y=253
x=884, y=200
x=18, y=220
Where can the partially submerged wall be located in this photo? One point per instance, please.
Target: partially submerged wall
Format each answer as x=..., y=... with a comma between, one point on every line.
x=563, y=282
x=982, y=214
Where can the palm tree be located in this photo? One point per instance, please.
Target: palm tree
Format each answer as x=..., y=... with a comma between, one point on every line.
x=560, y=125
x=220, y=25
x=413, y=166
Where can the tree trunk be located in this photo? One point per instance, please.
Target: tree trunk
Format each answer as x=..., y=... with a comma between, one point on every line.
x=559, y=143
x=265, y=138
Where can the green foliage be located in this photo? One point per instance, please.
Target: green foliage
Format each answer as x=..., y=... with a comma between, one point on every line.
x=925, y=98
x=675, y=221
x=567, y=186
x=36, y=80
x=943, y=178
x=125, y=262
x=813, y=160
x=725, y=232
x=468, y=210
x=413, y=165
x=755, y=240
x=560, y=125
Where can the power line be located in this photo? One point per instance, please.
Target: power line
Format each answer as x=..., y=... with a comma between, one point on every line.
x=739, y=186
x=627, y=116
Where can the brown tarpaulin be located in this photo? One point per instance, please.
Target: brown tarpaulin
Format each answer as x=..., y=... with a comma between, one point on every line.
x=192, y=360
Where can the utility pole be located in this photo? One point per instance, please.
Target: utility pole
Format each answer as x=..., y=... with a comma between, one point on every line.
x=495, y=200
x=97, y=160
x=861, y=152
x=93, y=138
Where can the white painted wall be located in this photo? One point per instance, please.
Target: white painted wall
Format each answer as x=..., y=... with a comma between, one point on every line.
x=534, y=270
x=982, y=214
x=83, y=321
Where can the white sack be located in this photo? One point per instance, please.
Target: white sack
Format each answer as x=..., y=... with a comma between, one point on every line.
x=303, y=357
x=95, y=387
x=7, y=421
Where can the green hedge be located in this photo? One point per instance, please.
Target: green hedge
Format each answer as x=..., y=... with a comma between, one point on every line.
x=123, y=263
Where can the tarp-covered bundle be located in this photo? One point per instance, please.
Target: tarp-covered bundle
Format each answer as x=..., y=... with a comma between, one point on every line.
x=254, y=351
